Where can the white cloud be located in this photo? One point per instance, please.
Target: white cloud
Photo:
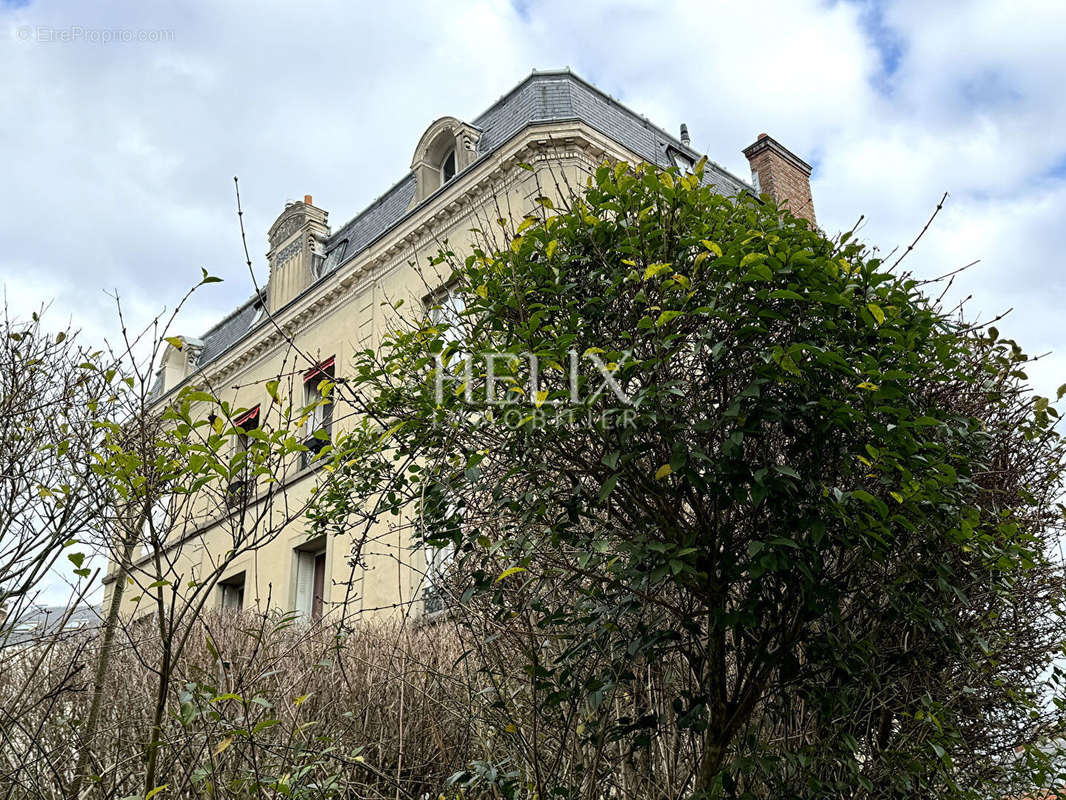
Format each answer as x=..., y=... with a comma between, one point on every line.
x=119, y=160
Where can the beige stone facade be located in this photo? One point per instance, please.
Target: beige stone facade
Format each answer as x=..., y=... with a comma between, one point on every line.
x=462, y=175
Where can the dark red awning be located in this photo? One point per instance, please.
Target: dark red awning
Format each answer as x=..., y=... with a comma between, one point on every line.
x=249, y=419
x=319, y=370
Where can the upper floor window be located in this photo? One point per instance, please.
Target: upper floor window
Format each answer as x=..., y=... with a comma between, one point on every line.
x=447, y=167
x=682, y=161
x=259, y=314
x=320, y=418
x=446, y=148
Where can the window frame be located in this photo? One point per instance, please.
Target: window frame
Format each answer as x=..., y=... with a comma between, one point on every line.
x=321, y=418
x=234, y=586
x=452, y=155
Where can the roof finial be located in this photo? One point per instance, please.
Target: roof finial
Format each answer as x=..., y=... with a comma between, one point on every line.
x=685, y=138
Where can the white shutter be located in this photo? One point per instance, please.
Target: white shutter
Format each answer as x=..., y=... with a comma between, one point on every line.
x=305, y=581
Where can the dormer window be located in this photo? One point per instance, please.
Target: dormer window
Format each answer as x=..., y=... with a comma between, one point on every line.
x=447, y=167
x=682, y=161
x=446, y=148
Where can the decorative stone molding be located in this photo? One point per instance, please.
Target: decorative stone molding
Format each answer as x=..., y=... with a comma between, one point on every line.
x=576, y=142
x=296, y=248
x=446, y=135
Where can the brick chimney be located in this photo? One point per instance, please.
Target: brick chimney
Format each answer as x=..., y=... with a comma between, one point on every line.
x=780, y=173
x=297, y=247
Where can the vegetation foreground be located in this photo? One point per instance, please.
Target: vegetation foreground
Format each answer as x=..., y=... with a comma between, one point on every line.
x=729, y=510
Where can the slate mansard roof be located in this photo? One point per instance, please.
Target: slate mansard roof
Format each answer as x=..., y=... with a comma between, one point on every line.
x=543, y=97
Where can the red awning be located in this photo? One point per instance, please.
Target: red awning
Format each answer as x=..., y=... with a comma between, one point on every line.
x=319, y=371
x=249, y=419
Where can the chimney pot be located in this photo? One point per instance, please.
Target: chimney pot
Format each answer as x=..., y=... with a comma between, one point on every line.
x=307, y=199
x=685, y=138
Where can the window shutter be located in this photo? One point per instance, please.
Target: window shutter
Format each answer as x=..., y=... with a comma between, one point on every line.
x=305, y=583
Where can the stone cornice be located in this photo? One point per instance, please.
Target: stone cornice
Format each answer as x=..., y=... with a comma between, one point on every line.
x=543, y=143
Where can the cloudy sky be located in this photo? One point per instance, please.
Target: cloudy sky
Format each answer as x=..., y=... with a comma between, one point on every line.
x=118, y=156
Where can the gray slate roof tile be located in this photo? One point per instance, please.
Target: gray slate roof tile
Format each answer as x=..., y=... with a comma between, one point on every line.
x=550, y=96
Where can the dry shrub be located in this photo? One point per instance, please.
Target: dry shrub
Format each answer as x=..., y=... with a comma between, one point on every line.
x=258, y=706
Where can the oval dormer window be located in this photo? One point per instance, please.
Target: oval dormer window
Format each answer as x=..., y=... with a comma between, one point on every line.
x=447, y=167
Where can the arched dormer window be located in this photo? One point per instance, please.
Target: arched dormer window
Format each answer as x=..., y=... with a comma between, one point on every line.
x=446, y=148
x=447, y=167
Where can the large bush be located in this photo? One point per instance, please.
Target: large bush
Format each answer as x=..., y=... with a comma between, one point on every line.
x=761, y=519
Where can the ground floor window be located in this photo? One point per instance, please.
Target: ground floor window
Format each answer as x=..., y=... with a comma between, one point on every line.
x=231, y=593
x=310, y=564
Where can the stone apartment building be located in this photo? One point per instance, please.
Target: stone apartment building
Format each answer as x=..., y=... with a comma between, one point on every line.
x=328, y=286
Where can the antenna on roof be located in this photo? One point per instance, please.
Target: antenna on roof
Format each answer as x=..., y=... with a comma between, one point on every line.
x=685, y=138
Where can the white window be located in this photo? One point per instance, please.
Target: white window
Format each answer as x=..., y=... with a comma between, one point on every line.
x=319, y=427
x=447, y=167
x=438, y=561
x=231, y=593
x=447, y=307
x=310, y=578
x=681, y=161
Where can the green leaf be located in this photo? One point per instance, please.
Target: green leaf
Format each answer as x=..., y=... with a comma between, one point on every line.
x=272, y=390
x=608, y=487
x=655, y=269
x=666, y=317
x=77, y=559
x=507, y=573
x=209, y=278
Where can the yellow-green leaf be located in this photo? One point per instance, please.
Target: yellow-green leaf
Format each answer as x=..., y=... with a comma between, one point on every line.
x=549, y=251
x=654, y=270
x=507, y=573
x=870, y=387
x=542, y=395
x=663, y=471
x=527, y=223
x=272, y=390
x=713, y=247
x=299, y=701
x=175, y=342
x=482, y=291
x=221, y=746
x=876, y=312
x=156, y=791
